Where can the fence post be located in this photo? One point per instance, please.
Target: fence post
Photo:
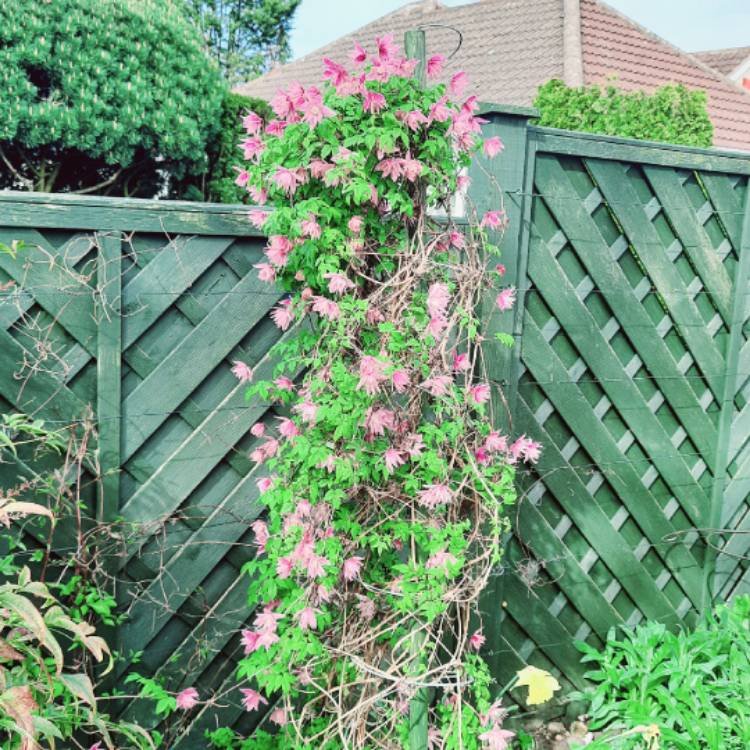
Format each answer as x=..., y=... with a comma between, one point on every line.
x=415, y=47
x=504, y=182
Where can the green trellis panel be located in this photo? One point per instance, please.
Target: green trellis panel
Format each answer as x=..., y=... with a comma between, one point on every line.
x=631, y=366
x=632, y=269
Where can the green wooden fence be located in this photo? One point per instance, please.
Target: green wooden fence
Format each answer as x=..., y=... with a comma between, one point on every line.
x=632, y=366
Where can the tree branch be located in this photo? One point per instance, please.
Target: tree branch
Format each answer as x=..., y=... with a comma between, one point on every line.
x=99, y=185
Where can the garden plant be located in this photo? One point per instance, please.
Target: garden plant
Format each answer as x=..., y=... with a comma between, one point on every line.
x=386, y=484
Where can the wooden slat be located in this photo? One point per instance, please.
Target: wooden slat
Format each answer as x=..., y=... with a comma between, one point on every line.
x=63, y=211
x=108, y=366
x=629, y=312
x=66, y=297
x=191, y=360
x=601, y=360
x=566, y=485
x=691, y=233
x=164, y=279
x=542, y=361
x=640, y=152
x=619, y=193
x=39, y=394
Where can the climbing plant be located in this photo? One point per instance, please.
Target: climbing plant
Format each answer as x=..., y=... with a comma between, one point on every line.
x=385, y=484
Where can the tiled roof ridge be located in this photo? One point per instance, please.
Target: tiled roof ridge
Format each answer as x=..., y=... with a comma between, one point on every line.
x=721, y=50
x=719, y=77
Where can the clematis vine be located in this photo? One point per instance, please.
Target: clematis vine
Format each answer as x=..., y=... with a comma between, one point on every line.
x=384, y=483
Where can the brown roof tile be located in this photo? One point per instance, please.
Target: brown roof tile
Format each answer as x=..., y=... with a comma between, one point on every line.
x=616, y=47
x=726, y=61
x=510, y=47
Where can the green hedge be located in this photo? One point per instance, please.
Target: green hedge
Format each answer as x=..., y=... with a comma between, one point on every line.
x=672, y=114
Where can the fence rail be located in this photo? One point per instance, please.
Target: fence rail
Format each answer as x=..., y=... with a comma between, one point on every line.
x=632, y=367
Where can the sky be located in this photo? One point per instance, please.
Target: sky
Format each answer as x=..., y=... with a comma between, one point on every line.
x=689, y=24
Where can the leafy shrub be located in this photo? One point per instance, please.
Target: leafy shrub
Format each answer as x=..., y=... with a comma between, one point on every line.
x=102, y=95
x=690, y=689
x=217, y=183
x=672, y=114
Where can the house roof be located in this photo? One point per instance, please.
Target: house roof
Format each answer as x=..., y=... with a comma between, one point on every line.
x=726, y=61
x=510, y=47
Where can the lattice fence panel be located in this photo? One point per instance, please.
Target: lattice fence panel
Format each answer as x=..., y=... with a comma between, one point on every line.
x=626, y=331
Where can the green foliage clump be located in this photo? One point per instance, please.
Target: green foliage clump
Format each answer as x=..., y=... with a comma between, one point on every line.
x=103, y=94
x=217, y=183
x=672, y=114
x=677, y=691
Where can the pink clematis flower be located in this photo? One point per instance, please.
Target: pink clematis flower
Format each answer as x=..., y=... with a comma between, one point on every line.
x=435, y=66
x=493, y=219
x=492, y=147
x=334, y=72
x=440, y=560
x=438, y=385
x=279, y=716
x=478, y=394
x=438, y=297
x=497, y=738
x=316, y=566
x=400, y=380
x=307, y=410
x=252, y=147
x=351, y=568
x=358, y=55
x=457, y=240
x=284, y=567
x=414, y=119
x=458, y=83
x=258, y=218
x=278, y=249
x=252, y=699
x=393, y=459
x=477, y=640
x=286, y=179
x=258, y=429
x=250, y=641
x=506, y=299
x=307, y=619
x=287, y=428
x=259, y=195
x=386, y=47
x=260, y=529
x=187, y=699
x=242, y=178
x=338, y=283
x=242, y=371
x=283, y=315
x=284, y=384
x=373, y=102
x=461, y=362
x=439, y=112
x=266, y=272
x=371, y=374
x=366, y=607
x=496, y=442
x=482, y=456
x=266, y=639
x=252, y=123
x=355, y=224
x=264, y=484
x=380, y=420
x=326, y=307
x=435, y=494
x=310, y=228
